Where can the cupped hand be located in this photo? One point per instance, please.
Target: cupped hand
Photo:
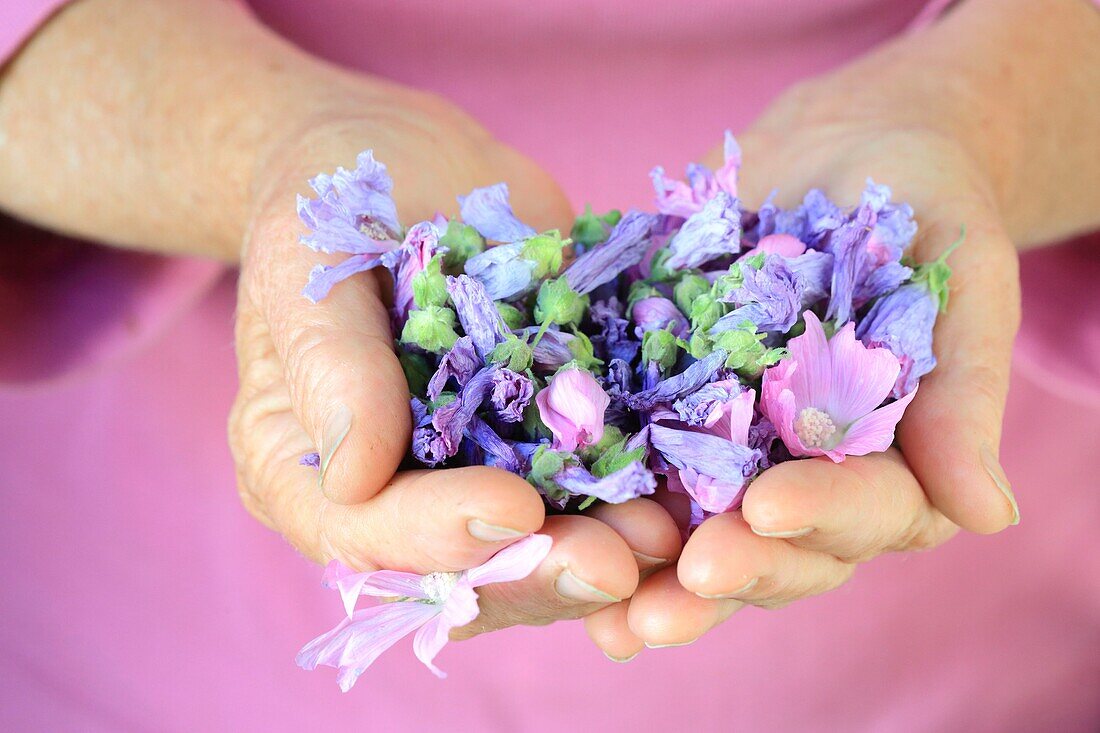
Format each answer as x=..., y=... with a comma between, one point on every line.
x=805, y=525
x=324, y=377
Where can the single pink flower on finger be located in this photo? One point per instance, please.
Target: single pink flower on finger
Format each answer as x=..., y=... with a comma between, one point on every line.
x=433, y=603
x=824, y=399
x=573, y=407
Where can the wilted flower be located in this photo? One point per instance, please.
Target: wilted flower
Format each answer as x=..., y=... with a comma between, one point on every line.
x=431, y=605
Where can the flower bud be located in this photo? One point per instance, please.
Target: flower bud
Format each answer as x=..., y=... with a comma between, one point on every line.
x=661, y=347
x=462, y=242
x=688, y=289
x=748, y=356
x=514, y=353
x=589, y=229
x=580, y=346
x=558, y=303
x=429, y=286
x=512, y=316
x=545, y=250
x=573, y=407
x=431, y=328
x=657, y=314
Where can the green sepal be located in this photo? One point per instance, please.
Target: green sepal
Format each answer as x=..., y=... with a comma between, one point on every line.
x=616, y=458
x=589, y=229
x=690, y=287
x=545, y=250
x=431, y=328
x=462, y=242
x=936, y=274
x=580, y=346
x=640, y=290
x=661, y=347
x=429, y=286
x=747, y=354
x=514, y=353
x=558, y=303
x=512, y=316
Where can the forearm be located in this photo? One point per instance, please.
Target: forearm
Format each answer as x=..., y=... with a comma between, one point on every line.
x=142, y=123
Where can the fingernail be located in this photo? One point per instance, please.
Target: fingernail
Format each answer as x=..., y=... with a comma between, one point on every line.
x=993, y=468
x=784, y=533
x=491, y=532
x=732, y=594
x=570, y=586
x=666, y=646
x=337, y=428
x=621, y=660
x=645, y=562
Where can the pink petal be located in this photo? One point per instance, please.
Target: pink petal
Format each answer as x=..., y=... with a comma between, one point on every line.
x=783, y=411
x=812, y=381
x=514, y=562
x=711, y=494
x=459, y=610
x=862, y=377
x=378, y=583
x=780, y=244
x=358, y=640
x=731, y=419
x=874, y=432
x=393, y=583
x=565, y=432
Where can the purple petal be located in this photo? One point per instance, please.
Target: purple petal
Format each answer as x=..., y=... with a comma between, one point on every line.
x=502, y=271
x=487, y=210
x=498, y=452
x=313, y=460
x=676, y=386
x=848, y=245
x=452, y=419
x=713, y=232
x=623, y=249
x=701, y=452
x=627, y=483
x=323, y=277
x=902, y=322
x=512, y=393
x=479, y=316
x=460, y=363
x=514, y=562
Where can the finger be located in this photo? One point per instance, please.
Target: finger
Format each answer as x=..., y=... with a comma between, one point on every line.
x=422, y=521
x=609, y=630
x=589, y=567
x=951, y=432
x=647, y=529
x=346, y=386
x=663, y=613
x=853, y=510
x=725, y=559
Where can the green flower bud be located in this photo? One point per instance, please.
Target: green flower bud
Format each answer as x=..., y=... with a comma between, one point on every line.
x=590, y=229
x=583, y=353
x=463, y=242
x=615, y=458
x=429, y=286
x=417, y=370
x=657, y=270
x=705, y=312
x=514, y=353
x=701, y=345
x=545, y=464
x=431, y=328
x=747, y=354
x=936, y=274
x=688, y=289
x=545, y=250
x=661, y=347
x=558, y=303
x=513, y=316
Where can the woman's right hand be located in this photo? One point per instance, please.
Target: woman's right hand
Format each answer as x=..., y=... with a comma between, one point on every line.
x=324, y=377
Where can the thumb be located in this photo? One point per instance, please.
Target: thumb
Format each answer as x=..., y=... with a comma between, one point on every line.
x=347, y=388
x=951, y=433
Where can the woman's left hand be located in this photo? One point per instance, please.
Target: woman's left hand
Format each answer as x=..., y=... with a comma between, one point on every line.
x=805, y=525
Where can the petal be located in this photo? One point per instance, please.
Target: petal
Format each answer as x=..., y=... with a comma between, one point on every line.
x=812, y=382
x=323, y=277
x=514, y=562
x=487, y=210
x=862, y=377
x=357, y=641
x=624, y=248
x=459, y=610
x=700, y=451
x=874, y=432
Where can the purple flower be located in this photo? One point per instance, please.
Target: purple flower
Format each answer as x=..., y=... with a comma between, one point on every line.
x=894, y=224
x=573, y=406
x=487, y=210
x=497, y=452
x=613, y=341
x=695, y=408
x=313, y=460
x=420, y=245
x=848, y=245
x=624, y=248
x=433, y=603
x=678, y=385
x=460, y=363
x=657, y=314
x=479, y=316
x=353, y=213
x=770, y=298
x=824, y=400
x=902, y=322
x=629, y=482
x=677, y=198
x=815, y=270
x=452, y=419
x=511, y=394
x=713, y=232
x=503, y=272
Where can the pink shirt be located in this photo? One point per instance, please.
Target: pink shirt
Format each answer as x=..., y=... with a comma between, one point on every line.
x=140, y=596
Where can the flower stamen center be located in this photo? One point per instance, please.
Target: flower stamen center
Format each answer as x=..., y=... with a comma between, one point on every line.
x=814, y=427
x=438, y=586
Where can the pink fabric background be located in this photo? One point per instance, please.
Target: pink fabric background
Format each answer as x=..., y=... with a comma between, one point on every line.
x=138, y=595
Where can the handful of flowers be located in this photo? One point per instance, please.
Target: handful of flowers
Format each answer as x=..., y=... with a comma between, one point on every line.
x=696, y=346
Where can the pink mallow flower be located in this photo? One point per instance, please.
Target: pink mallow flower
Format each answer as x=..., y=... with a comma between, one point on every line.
x=433, y=603
x=824, y=399
x=573, y=406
